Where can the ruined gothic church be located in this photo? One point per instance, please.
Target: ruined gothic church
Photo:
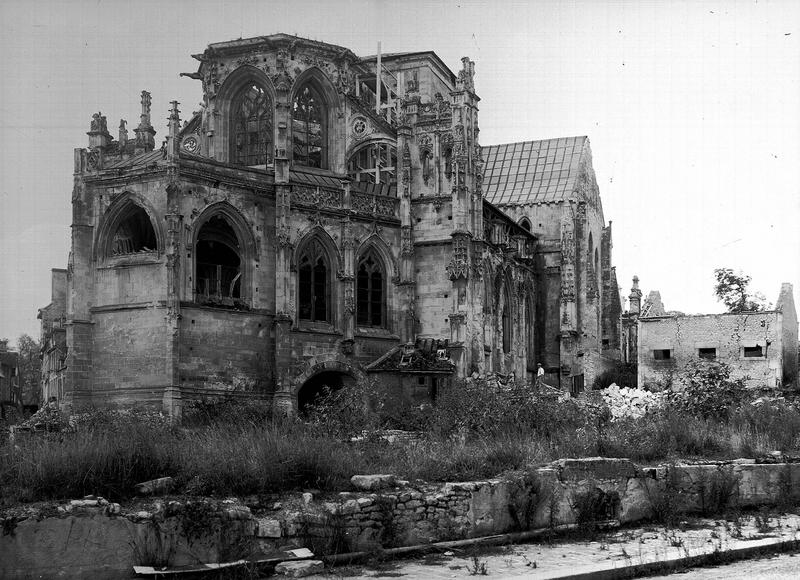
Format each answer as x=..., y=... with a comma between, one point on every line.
x=323, y=218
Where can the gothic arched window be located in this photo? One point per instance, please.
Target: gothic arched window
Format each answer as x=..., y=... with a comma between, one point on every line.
x=370, y=294
x=373, y=164
x=313, y=288
x=309, y=133
x=251, y=122
x=525, y=224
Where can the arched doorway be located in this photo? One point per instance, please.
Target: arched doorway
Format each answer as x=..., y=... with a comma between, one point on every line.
x=316, y=385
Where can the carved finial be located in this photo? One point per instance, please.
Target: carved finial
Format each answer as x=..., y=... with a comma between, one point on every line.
x=466, y=74
x=145, y=134
x=146, y=101
x=174, y=129
x=123, y=133
x=174, y=113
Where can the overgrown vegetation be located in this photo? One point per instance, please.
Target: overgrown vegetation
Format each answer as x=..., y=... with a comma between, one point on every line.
x=232, y=446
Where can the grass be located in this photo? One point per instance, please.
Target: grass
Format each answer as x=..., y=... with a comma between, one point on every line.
x=229, y=452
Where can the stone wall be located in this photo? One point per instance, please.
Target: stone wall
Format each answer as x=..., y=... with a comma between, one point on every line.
x=94, y=537
x=728, y=334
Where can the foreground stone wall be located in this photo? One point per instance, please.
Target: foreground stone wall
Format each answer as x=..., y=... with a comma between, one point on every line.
x=95, y=538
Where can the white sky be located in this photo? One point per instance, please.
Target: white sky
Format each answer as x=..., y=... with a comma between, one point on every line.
x=692, y=109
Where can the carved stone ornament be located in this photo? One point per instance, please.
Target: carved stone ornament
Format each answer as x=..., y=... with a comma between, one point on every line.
x=250, y=59
x=211, y=81
x=284, y=236
x=359, y=128
x=191, y=144
x=425, y=142
x=349, y=302
x=92, y=159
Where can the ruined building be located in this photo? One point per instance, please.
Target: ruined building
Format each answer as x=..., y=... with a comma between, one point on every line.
x=321, y=218
x=760, y=347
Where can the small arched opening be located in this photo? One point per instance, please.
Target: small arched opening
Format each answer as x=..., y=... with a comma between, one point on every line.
x=318, y=386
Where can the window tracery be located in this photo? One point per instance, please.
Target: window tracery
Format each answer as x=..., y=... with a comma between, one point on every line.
x=370, y=294
x=314, y=282
x=252, y=133
x=309, y=133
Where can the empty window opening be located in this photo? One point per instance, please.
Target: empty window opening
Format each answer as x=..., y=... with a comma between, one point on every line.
x=373, y=164
x=448, y=162
x=219, y=274
x=134, y=234
x=525, y=224
x=251, y=138
x=753, y=351
x=506, y=329
x=308, y=128
x=313, y=281
x=369, y=292
x=707, y=353
x=662, y=354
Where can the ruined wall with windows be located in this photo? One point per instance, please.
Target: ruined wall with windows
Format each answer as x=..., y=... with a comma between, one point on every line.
x=751, y=343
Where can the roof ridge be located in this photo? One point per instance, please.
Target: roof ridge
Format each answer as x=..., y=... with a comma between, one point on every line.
x=535, y=141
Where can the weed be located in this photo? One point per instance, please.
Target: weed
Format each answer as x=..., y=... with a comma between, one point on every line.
x=762, y=520
x=718, y=492
x=478, y=567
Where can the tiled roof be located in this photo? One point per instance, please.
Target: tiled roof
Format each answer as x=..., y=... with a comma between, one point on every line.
x=155, y=156
x=532, y=171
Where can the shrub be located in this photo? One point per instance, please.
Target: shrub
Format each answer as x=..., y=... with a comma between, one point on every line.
x=709, y=391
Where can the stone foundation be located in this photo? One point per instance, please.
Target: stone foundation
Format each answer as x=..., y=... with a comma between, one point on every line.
x=102, y=540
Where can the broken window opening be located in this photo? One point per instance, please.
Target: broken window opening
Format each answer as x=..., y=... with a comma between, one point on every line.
x=313, y=292
x=707, y=353
x=756, y=351
x=506, y=329
x=525, y=224
x=662, y=354
x=251, y=138
x=134, y=234
x=369, y=292
x=375, y=163
x=219, y=273
x=308, y=128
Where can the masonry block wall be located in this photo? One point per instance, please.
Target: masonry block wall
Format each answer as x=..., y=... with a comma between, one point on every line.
x=750, y=343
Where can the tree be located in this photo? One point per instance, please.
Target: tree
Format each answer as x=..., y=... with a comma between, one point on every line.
x=732, y=290
x=30, y=370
